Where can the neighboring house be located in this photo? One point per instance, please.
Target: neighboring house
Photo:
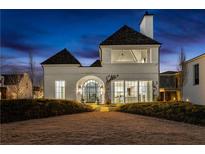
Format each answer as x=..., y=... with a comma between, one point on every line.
x=37, y=92
x=194, y=86
x=15, y=86
x=132, y=56
x=169, y=86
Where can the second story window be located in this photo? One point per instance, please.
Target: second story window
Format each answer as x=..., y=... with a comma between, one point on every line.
x=60, y=89
x=130, y=56
x=196, y=74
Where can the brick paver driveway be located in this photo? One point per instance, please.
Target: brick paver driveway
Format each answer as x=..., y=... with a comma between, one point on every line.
x=101, y=128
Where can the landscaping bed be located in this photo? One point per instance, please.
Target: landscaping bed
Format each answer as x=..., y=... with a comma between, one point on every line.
x=178, y=111
x=24, y=109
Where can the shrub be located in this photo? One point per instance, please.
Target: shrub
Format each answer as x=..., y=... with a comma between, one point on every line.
x=24, y=109
x=178, y=111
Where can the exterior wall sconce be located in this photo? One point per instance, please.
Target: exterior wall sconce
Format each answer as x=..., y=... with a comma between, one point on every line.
x=80, y=89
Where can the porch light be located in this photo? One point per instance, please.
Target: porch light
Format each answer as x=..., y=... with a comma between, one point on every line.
x=101, y=90
x=79, y=89
x=187, y=100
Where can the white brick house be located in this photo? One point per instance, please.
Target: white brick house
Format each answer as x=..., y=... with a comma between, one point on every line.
x=132, y=55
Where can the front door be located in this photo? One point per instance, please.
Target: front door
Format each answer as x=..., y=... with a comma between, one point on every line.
x=91, y=91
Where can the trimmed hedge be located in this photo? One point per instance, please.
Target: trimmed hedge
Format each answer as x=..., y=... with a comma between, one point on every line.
x=24, y=109
x=178, y=111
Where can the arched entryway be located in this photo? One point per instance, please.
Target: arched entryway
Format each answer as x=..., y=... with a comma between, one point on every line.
x=90, y=89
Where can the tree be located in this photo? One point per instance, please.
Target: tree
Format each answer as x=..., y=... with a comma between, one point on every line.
x=109, y=78
x=31, y=71
x=182, y=70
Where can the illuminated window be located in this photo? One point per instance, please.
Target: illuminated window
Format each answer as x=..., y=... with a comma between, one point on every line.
x=131, y=91
x=60, y=89
x=145, y=91
x=119, y=91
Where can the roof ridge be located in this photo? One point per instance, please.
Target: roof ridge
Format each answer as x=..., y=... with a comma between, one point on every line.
x=127, y=35
x=62, y=57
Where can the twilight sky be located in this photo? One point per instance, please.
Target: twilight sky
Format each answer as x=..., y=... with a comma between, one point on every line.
x=45, y=32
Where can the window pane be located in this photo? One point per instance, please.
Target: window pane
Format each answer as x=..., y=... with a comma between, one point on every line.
x=141, y=55
x=60, y=89
x=196, y=74
x=143, y=91
x=131, y=91
x=118, y=91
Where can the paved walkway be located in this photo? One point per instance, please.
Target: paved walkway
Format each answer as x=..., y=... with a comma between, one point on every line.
x=101, y=128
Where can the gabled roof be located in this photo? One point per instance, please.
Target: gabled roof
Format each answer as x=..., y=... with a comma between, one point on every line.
x=12, y=79
x=62, y=57
x=195, y=58
x=97, y=63
x=169, y=72
x=128, y=36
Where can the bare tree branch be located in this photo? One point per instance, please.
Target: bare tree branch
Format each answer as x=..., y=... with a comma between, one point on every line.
x=182, y=70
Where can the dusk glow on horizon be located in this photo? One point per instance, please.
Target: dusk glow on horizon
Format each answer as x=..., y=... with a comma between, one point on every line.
x=46, y=32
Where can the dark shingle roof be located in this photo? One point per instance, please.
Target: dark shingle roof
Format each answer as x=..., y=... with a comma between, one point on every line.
x=128, y=36
x=62, y=57
x=97, y=63
x=12, y=79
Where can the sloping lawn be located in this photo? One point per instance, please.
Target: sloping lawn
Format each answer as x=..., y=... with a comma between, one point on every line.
x=24, y=109
x=178, y=111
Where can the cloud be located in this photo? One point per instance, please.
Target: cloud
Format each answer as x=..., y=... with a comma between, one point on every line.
x=21, y=46
x=168, y=51
x=91, y=39
x=87, y=53
x=181, y=27
x=23, y=40
x=6, y=57
x=89, y=46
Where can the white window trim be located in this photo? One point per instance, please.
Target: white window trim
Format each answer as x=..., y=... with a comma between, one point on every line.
x=64, y=89
x=149, y=94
